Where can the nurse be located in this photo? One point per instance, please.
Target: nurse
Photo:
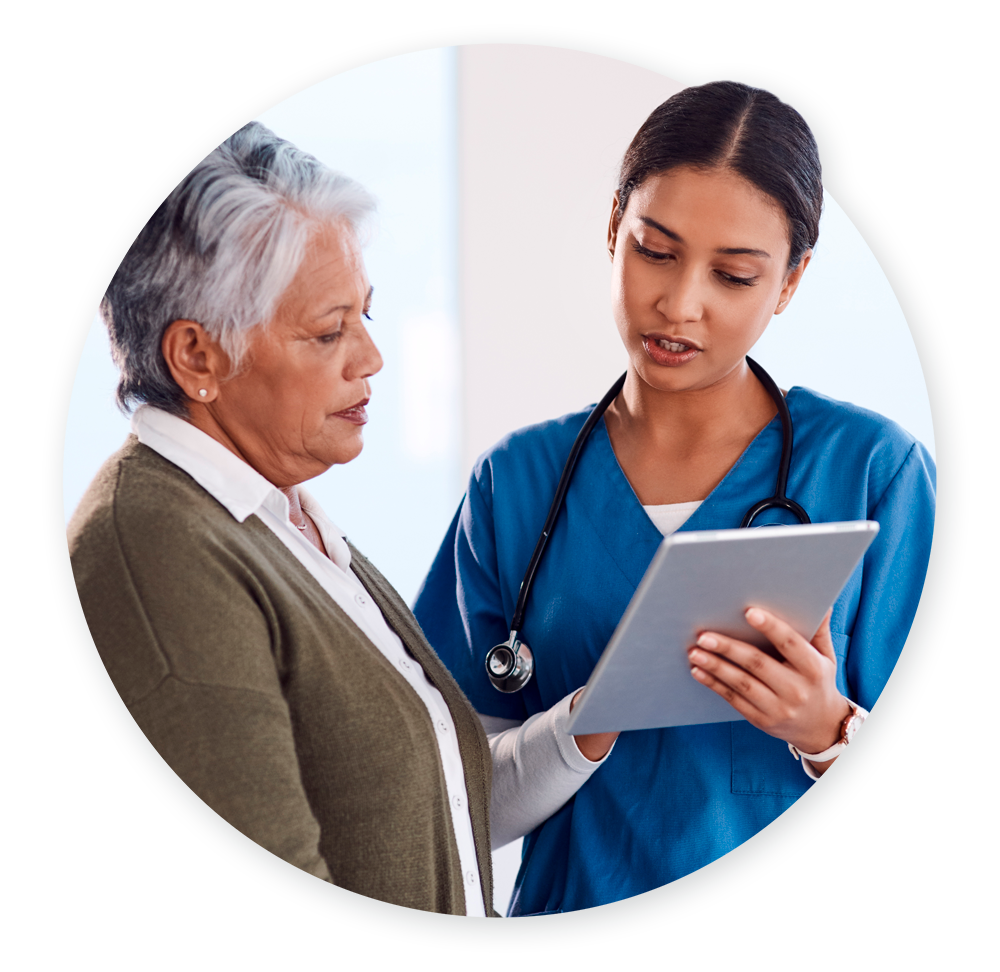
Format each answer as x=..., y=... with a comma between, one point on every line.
x=711, y=229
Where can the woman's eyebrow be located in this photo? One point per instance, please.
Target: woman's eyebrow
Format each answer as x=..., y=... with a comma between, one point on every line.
x=738, y=250
x=347, y=307
x=661, y=228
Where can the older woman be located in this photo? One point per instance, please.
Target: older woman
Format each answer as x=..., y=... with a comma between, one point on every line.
x=266, y=660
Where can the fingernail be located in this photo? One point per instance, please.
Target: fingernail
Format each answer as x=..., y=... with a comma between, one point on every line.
x=754, y=616
x=707, y=641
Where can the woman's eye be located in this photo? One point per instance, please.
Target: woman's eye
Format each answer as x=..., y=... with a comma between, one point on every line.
x=651, y=254
x=366, y=315
x=739, y=281
x=329, y=338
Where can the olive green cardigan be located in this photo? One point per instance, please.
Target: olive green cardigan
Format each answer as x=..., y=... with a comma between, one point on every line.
x=263, y=695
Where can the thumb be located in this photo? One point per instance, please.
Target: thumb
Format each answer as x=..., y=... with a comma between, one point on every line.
x=822, y=641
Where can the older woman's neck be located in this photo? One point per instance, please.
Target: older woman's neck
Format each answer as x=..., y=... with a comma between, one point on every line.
x=295, y=512
x=300, y=519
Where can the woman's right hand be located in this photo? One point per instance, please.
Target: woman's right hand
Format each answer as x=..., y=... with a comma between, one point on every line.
x=594, y=745
x=794, y=699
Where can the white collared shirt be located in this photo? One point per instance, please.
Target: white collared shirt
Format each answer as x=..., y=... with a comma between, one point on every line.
x=244, y=492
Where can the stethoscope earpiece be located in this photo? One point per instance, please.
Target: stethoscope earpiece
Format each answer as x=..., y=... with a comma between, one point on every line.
x=510, y=665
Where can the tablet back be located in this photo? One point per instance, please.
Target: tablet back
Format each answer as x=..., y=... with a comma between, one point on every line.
x=704, y=581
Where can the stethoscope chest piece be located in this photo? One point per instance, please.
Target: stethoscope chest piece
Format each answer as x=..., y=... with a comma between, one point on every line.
x=510, y=665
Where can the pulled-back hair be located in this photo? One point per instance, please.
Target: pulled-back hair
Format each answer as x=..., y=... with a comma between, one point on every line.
x=220, y=250
x=729, y=125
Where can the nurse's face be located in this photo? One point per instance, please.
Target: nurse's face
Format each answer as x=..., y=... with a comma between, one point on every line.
x=700, y=265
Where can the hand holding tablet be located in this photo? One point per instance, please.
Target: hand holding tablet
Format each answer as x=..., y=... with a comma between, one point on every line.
x=760, y=595
x=795, y=699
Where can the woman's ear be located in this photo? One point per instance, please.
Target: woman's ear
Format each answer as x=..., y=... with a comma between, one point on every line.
x=195, y=359
x=792, y=282
x=613, y=225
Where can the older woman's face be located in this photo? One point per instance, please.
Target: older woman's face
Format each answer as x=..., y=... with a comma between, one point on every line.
x=700, y=266
x=298, y=406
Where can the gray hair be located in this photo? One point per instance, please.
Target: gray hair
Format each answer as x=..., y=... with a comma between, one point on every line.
x=221, y=250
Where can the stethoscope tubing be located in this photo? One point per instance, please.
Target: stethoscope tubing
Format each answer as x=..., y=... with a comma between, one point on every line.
x=560, y=495
x=779, y=500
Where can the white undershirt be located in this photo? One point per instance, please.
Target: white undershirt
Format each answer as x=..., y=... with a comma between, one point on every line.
x=670, y=517
x=537, y=766
x=244, y=492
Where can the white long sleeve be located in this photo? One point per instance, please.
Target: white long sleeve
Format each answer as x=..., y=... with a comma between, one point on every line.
x=899, y=803
x=537, y=767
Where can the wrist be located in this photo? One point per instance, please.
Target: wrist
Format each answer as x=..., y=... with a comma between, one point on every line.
x=595, y=745
x=829, y=734
x=852, y=722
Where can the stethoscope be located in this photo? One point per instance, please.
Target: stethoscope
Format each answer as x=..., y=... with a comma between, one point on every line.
x=511, y=664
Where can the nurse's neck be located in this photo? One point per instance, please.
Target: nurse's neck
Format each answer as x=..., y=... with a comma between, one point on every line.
x=737, y=400
x=675, y=446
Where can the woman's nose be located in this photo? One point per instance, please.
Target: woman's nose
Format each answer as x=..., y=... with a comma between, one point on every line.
x=682, y=299
x=366, y=359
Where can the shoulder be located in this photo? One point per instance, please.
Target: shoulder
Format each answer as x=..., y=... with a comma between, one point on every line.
x=817, y=408
x=141, y=499
x=171, y=583
x=857, y=439
x=534, y=453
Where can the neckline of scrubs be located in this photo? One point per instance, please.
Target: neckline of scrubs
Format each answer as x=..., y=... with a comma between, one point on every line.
x=624, y=527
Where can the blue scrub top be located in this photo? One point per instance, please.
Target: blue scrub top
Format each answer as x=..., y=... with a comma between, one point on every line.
x=667, y=801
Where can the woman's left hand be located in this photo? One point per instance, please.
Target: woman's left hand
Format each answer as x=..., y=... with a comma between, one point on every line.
x=795, y=699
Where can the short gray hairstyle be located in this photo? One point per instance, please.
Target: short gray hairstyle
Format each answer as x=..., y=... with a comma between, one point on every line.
x=221, y=250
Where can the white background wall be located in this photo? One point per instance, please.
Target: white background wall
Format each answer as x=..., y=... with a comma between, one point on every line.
x=499, y=292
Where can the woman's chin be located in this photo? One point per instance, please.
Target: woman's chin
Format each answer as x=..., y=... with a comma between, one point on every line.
x=346, y=449
x=671, y=378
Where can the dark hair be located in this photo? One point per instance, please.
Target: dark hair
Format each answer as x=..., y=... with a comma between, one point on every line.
x=729, y=125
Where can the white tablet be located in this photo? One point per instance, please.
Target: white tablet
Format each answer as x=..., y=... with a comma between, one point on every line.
x=704, y=581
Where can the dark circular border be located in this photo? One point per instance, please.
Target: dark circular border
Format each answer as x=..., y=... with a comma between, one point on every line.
x=746, y=863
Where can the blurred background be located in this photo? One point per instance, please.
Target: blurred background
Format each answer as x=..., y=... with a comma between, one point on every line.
x=493, y=167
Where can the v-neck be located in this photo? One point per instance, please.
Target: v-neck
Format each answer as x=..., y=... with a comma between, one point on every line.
x=603, y=495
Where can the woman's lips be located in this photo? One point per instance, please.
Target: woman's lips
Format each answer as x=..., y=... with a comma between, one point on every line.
x=669, y=351
x=356, y=414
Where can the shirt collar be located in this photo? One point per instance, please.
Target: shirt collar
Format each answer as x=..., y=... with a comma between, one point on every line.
x=236, y=485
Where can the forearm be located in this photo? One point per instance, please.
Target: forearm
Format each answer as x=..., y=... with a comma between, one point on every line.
x=537, y=767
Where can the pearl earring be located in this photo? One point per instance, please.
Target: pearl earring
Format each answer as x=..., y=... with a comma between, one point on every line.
x=203, y=392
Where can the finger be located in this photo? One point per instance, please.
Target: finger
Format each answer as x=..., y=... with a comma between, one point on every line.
x=737, y=679
x=745, y=708
x=793, y=647
x=822, y=641
x=774, y=674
